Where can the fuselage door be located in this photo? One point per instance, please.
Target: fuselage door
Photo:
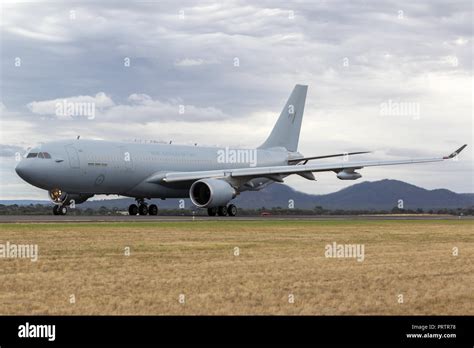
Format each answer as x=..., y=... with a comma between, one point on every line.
x=73, y=156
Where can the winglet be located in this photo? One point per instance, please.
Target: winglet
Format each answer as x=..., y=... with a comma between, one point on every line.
x=455, y=153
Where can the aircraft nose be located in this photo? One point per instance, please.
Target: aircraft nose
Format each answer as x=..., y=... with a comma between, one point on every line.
x=23, y=171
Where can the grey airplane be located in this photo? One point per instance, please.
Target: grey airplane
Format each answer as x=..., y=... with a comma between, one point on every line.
x=75, y=170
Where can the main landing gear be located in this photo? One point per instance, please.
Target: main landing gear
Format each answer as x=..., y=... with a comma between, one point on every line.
x=142, y=208
x=230, y=210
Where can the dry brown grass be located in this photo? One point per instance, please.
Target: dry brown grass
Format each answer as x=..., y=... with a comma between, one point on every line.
x=277, y=258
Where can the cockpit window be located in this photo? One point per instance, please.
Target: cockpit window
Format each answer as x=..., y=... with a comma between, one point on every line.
x=39, y=155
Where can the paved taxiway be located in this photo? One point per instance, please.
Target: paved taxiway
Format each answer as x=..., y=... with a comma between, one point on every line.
x=126, y=218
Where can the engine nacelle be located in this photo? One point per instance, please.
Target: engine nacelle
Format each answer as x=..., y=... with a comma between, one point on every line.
x=208, y=193
x=57, y=196
x=348, y=175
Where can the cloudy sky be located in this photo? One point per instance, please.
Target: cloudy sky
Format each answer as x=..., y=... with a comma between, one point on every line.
x=394, y=77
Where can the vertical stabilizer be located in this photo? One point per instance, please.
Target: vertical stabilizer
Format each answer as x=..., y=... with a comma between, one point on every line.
x=286, y=131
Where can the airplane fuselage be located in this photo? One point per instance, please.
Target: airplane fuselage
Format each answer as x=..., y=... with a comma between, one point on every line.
x=105, y=167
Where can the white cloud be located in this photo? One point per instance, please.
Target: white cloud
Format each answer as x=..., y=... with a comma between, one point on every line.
x=189, y=62
x=144, y=109
x=141, y=108
x=66, y=108
x=461, y=41
x=35, y=35
x=139, y=98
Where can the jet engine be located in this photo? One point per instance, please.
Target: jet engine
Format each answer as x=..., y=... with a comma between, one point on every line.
x=208, y=193
x=348, y=174
x=57, y=196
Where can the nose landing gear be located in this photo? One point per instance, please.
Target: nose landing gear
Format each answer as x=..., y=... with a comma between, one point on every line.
x=60, y=210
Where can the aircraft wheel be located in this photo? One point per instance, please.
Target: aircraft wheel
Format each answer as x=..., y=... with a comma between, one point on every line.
x=212, y=211
x=56, y=210
x=153, y=209
x=62, y=210
x=232, y=210
x=222, y=210
x=142, y=209
x=132, y=209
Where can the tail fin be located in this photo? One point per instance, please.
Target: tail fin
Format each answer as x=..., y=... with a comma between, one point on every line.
x=286, y=131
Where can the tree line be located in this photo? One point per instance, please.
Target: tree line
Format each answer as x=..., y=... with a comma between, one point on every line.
x=41, y=209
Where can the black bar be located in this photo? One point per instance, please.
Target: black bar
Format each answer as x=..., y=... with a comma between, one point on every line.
x=341, y=330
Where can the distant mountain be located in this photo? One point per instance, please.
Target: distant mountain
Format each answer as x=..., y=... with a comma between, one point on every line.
x=385, y=194
x=23, y=201
x=379, y=195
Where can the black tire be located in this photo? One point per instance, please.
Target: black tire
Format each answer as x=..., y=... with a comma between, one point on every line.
x=132, y=209
x=212, y=211
x=62, y=210
x=232, y=210
x=142, y=209
x=153, y=209
x=56, y=210
x=222, y=210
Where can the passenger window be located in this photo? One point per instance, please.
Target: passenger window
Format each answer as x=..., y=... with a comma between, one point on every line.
x=46, y=155
x=32, y=155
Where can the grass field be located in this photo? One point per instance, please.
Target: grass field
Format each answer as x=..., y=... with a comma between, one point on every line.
x=277, y=262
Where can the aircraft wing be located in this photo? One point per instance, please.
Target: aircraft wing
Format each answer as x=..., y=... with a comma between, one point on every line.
x=306, y=159
x=276, y=171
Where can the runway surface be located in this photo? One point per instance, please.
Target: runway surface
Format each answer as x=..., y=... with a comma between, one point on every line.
x=126, y=218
